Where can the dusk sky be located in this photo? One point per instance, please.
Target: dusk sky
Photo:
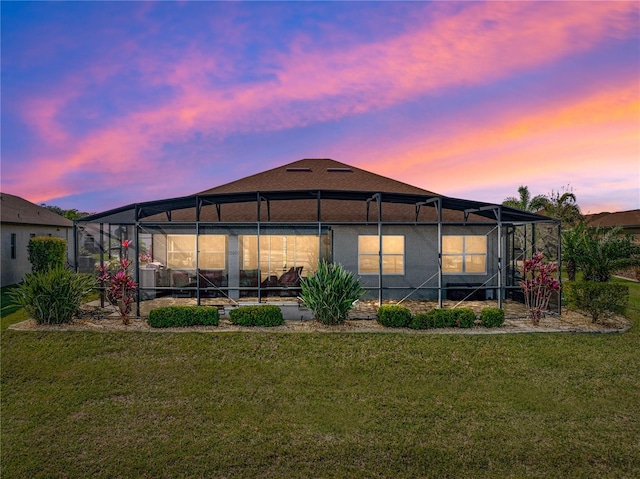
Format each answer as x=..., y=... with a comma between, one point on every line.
x=110, y=103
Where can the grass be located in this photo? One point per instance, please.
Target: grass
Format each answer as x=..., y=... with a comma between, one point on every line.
x=321, y=405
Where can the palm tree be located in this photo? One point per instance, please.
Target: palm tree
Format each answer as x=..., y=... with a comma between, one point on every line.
x=525, y=202
x=572, y=249
x=605, y=250
x=563, y=206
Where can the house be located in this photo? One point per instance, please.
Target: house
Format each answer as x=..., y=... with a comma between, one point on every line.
x=255, y=237
x=21, y=220
x=629, y=221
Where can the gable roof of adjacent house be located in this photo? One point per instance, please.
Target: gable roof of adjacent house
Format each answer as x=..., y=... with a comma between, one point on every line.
x=16, y=210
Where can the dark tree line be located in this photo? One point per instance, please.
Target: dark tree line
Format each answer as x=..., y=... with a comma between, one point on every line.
x=71, y=214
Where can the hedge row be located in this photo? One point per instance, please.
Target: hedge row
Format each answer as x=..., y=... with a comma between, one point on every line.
x=258, y=315
x=396, y=316
x=176, y=316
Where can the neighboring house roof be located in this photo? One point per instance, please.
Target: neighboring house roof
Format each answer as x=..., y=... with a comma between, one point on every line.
x=16, y=210
x=317, y=174
x=625, y=219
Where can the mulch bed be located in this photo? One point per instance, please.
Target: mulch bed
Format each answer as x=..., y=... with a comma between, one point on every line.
x=105, y=320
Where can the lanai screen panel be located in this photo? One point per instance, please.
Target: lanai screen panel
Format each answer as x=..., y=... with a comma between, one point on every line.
x=279, y=251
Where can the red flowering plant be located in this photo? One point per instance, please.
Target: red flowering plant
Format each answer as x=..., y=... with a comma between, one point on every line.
x=539, y=283
x=119, y=285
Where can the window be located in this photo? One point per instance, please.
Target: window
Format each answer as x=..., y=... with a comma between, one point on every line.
x=392, y=254
x=213, y=252
x=181, y=251
x=13, y=246
x=464, y=254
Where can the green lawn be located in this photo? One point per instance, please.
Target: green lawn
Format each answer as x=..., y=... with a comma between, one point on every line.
x=235, y=405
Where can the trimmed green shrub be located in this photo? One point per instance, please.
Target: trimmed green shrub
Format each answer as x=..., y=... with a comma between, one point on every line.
x=597, y=299
x=393, y=316
x=46, y=252
x=331, y=292
x=422, y=321
x=177, y=316
x=53, y=296
x=464, y=317
x=436, y=318
x=492, y=317
x=259, y=315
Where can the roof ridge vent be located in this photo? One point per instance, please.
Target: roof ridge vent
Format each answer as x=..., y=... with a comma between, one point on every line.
x=299, y=169
x=339, y=170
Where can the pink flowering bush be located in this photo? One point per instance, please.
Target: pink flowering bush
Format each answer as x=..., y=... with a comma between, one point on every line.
x=539, y=283
x=120, y=286
x=146, y=257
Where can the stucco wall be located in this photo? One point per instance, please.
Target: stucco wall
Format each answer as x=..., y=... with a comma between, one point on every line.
x=14, y=269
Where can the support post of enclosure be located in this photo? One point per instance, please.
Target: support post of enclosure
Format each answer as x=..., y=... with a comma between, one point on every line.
x=439, y=211
x=559, y=259
x=198, y=262
x=258, y=200
x=379, y=249
x=102, y=262
x=319, y=225
x=137, y=262
x=500, y=268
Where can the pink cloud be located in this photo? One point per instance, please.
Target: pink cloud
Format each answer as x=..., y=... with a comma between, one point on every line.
x=590, y=138
x=310, y=84
x=454, y=50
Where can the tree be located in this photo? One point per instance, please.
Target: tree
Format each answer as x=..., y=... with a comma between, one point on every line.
x=598, y=252
x=572, y=250
x=71, y=214
x=524, y=201
x=606, y=250
x=562, y=205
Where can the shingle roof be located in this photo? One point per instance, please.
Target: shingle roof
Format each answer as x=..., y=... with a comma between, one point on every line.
x=316, y=174
x=626, y=219
x=14, y=209
x=289, y=193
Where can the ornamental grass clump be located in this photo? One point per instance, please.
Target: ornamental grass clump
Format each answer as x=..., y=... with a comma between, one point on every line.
x=330, y=292
x=539, y=283
x=53, y=296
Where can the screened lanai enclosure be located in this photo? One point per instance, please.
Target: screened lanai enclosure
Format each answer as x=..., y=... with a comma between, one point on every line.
x=255, y=246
